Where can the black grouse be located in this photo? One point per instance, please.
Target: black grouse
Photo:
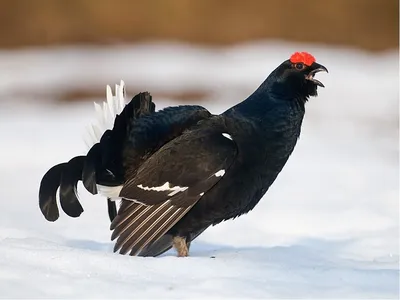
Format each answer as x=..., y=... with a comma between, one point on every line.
x=179, y=170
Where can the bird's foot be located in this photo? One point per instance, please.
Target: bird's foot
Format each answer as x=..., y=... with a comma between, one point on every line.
x=180, y=245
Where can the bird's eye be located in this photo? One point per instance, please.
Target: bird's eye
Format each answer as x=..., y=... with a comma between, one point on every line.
x=299, y=66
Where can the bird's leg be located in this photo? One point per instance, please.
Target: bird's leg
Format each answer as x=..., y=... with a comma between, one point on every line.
x=179, y=243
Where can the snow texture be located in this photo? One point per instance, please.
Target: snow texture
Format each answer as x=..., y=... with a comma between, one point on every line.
x=327, y=228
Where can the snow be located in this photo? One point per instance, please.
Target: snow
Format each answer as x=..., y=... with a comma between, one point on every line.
x=327, y=228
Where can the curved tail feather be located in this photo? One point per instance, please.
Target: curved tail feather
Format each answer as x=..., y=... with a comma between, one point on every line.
x=64, y=177
x=89, y=169
x=47, y=192
x=69, y=179
x=102, y=165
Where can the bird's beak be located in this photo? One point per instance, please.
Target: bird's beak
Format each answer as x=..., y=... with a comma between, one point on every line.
x=315, y=68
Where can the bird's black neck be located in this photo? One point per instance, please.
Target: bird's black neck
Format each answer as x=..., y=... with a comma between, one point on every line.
x=267, y=104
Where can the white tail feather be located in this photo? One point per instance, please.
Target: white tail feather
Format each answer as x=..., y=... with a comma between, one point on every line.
x=105, y=114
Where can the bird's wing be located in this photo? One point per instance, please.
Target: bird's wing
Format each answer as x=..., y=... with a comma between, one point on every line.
x=169, y=184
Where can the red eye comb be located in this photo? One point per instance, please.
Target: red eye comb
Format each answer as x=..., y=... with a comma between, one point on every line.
x=302, y=57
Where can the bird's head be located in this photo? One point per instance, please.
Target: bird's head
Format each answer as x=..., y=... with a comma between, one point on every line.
x=294, y=78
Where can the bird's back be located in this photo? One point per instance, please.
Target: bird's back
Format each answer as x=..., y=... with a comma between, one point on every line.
x=147, y=134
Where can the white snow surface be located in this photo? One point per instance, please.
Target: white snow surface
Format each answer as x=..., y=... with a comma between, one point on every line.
x=327, y=228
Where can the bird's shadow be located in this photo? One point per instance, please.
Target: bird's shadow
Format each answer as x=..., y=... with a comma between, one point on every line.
x=307, y=250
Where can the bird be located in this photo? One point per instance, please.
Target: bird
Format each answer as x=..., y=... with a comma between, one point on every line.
x=182, y=169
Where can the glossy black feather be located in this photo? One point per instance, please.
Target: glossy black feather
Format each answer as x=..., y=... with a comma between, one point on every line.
x=112, y=209
x=181, y=170
x=68, y=185
x=47, y=192
x=90, y=165
x=141, y=225
x=101, y=165
x=264, y=128
x=147, y=134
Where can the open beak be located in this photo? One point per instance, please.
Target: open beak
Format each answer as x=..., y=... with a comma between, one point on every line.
x=315, y=68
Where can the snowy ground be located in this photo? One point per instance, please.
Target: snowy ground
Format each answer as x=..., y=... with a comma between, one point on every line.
x=328, y=227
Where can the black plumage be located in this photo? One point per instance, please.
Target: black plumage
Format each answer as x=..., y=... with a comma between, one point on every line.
x=182, y=169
